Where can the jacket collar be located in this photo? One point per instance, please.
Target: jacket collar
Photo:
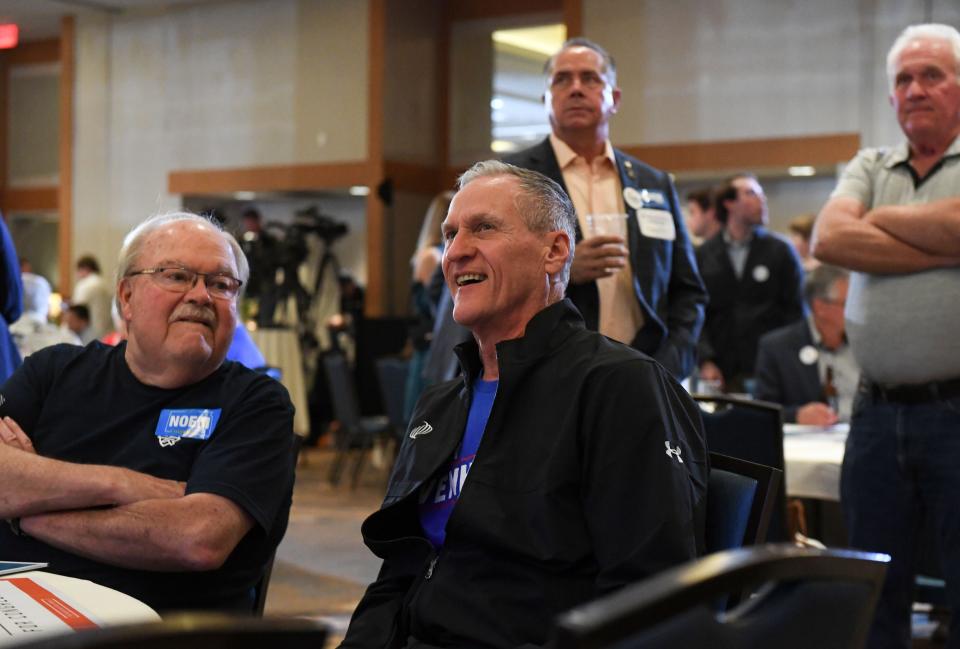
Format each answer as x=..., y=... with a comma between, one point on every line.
x=545, y=331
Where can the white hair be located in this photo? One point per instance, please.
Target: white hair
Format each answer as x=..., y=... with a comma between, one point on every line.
x=927, y=31
x=133, y=242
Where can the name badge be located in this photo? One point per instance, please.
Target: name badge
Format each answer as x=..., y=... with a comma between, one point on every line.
x=656, y=224
x=187, y=424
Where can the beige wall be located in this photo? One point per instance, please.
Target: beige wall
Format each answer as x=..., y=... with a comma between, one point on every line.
x=696, y=71
x=232, y=84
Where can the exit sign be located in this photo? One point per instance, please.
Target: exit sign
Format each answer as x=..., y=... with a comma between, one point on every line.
x=9, y=35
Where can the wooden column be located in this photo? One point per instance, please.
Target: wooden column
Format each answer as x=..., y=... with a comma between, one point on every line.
x=377, y=295
x=65, y=188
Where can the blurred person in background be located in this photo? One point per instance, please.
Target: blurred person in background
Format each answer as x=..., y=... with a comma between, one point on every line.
x=92, y=291
x=800, y=231
x=34, y=330
x=425, y=291
x=701, y=216
x=11, y=301
x=807, y=366
x=76, y=320
x=754, y=280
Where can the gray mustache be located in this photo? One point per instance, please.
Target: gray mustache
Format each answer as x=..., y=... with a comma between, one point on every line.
x=192, y=312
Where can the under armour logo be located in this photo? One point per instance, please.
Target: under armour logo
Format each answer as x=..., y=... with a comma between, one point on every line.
x=675, y=452
x=168, y=441
x=422, y=429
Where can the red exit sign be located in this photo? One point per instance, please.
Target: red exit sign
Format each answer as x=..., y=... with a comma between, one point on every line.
x=9, y=35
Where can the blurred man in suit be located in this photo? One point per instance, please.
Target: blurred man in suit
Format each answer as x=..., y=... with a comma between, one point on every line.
x=808, y=366
x=754, y=280
x=643, y=288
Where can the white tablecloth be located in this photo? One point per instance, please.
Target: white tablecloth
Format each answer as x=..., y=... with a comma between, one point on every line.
x=812, y=458
x=281, y=349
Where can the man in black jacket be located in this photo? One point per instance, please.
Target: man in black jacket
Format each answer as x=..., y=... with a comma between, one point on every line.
x=561, y=466
x=641, y=286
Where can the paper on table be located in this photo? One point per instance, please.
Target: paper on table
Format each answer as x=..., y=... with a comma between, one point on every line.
x=29, y=608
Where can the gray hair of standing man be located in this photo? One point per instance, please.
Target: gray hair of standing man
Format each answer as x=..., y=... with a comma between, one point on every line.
x=926, y=31
x=133, y=242
x=609, y=65
x=820, y=281
x=542, y=203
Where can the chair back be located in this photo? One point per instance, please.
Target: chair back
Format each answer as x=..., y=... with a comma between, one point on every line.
x=810, y=598
x=740, y=499
x=753, y=431
x=262, y=586
x=342, y=390
x=392, y=375
x=195, y=631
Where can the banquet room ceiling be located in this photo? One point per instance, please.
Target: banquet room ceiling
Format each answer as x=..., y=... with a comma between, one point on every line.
x=40, y=19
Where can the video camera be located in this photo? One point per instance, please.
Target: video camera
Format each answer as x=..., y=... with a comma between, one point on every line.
x=310, y=220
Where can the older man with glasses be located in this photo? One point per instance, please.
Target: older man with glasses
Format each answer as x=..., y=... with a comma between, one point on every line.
x=154, y=467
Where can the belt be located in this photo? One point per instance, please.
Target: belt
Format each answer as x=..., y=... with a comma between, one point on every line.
x=920, y=393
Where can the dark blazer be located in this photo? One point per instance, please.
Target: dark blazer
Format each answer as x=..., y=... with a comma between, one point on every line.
x=767, y=297
x=666, y=282
x=781, y=376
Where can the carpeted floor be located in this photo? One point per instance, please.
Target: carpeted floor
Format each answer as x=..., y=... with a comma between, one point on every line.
x=322, y=566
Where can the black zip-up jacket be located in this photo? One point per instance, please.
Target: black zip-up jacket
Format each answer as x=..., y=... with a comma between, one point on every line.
x=577, y=489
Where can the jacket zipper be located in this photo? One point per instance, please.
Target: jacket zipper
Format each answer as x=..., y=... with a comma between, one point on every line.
x=433, y=563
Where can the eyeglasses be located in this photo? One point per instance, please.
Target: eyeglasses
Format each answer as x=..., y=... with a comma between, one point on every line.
x=588, y=79
x=181, y=280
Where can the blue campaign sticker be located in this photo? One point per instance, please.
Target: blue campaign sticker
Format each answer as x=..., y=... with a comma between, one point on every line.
x=188, y=424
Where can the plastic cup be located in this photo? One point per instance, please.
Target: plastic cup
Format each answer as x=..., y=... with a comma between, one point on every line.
x=607, y=224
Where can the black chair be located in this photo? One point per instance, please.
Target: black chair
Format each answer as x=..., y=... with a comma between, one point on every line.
x=194, y=631
x=392, y=375
x=261, y=587
x=809, y=598
x=753, y=431
x=356, y=433
x=740, y=499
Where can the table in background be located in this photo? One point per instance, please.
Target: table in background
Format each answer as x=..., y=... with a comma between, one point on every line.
x=812, y=458
x=281, y=349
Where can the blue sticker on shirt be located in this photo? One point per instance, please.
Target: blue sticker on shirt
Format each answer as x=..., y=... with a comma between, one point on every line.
x=188, y=424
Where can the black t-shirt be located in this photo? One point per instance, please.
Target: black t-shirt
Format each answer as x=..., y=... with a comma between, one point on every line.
x=83, y=405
